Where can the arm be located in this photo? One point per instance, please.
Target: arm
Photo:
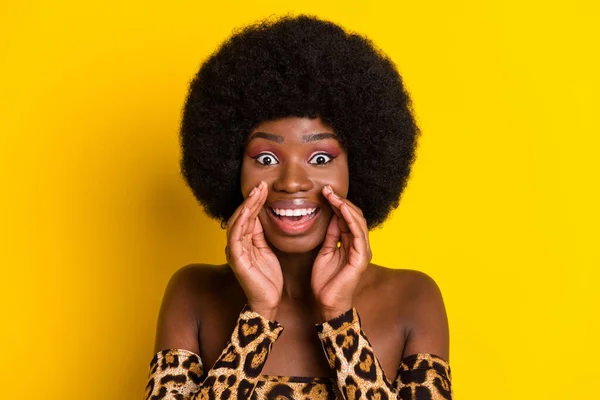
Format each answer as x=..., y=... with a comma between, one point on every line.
x=178, y=373
x=424, y=374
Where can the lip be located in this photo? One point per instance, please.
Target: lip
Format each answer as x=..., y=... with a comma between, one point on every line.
x=293, y=204
x=293, y=229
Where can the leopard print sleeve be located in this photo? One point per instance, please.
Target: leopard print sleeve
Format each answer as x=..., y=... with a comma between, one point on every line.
x=360, y=376
x=178, y=374
x=174, y=374
x=424, y=376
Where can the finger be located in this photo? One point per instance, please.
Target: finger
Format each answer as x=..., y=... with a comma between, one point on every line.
x=332, y=236
x=248, y=202
x=360, y=238
x=234, y=241
x=252, y=201
x=258, y=237
x=261, y=196
x=235, y=231
x=251, y=204
x=336, y=201
x=333, y=199
x=360, y=218
x=353, y=206
x=362, y=222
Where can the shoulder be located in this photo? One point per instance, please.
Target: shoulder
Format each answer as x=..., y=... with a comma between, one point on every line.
x=198, y=271
x=187, y=290
x=199, y=279
x=410, y=285
x=419, y=299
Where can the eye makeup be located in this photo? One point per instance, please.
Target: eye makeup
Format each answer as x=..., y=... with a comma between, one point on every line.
x=254, y=150
x=328, y=145
x=331, y=149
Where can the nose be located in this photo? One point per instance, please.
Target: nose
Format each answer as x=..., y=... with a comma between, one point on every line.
x=293, y=178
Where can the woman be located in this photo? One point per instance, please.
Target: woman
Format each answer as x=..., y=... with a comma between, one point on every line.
x=299, y=137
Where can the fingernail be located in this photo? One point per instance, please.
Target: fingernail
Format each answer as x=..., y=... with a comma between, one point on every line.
x=328, y=189
x=252, y=192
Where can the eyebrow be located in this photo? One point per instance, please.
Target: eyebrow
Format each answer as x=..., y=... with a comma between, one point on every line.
x=313, y=137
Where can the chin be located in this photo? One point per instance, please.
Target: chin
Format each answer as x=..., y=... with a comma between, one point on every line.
x=294, y=244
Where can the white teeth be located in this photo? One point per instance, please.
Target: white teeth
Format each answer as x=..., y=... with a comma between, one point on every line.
x=295, y=212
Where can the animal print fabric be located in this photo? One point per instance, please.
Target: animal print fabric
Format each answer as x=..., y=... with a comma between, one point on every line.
x=360, y=376
x=178, y=374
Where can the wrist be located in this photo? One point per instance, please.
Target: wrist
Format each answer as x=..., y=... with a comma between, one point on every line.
x=267, y=313
x=328, y=313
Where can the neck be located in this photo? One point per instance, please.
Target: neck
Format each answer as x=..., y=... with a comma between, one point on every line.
x=297, y=270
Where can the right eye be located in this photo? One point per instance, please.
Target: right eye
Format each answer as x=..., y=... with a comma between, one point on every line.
x=266, y=159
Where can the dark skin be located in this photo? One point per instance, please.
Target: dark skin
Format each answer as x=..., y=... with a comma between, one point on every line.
x=301, y=279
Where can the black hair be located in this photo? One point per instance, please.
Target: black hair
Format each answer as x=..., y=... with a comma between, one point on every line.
x=306, y=67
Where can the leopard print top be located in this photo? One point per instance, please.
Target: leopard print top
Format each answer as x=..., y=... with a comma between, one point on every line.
x=178, y=374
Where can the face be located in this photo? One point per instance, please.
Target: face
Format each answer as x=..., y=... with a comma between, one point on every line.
x=296, y=157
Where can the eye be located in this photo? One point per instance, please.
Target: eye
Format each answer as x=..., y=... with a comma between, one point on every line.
x=320, y=159
x=266, y=159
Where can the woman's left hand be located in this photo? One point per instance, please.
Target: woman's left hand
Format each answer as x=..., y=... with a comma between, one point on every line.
x=337, y=270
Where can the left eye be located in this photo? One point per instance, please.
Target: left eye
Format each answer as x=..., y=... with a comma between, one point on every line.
x=267, y=159
x=320, y=159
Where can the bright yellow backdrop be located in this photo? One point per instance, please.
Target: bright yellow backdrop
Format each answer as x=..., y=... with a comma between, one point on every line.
x=501, y=208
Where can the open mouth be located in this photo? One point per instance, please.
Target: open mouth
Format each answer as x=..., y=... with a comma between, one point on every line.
x=296, y=216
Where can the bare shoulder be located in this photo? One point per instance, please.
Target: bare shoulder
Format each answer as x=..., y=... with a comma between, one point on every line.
x=423, y=311
x=194, y=281
x=177, y=325
x=409, y=284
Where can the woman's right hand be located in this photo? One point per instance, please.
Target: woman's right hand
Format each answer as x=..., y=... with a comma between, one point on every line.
x=250, y=257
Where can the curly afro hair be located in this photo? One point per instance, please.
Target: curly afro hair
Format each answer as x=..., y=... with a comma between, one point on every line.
x=304, y=67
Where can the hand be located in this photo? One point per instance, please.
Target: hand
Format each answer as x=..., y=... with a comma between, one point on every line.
x=337, y=270
x=250, y=257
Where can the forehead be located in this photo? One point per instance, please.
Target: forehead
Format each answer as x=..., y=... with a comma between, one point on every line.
x=292, y=129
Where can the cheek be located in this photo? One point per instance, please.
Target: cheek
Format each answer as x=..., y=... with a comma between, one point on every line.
x=338, y=179
x=248, y=177
x=251, y=175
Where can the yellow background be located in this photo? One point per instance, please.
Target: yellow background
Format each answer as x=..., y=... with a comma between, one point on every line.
x=501, y=208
